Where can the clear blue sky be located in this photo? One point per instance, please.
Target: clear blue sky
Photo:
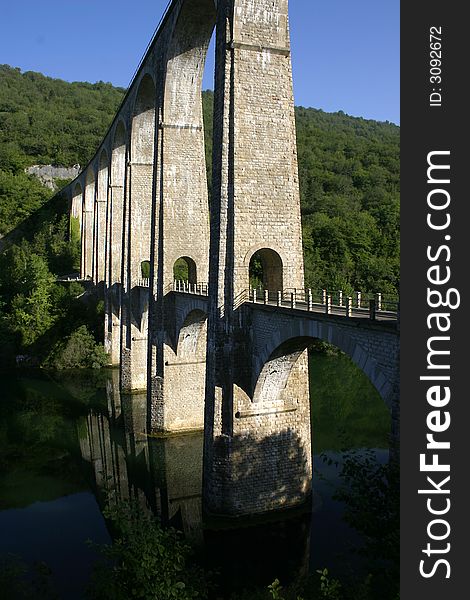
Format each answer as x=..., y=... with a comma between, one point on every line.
x=345, y=52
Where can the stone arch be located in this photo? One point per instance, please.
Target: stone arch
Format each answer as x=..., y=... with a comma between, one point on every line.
x=186, y=60
x=88, y=221
x=185, y=202
x=145, y=269
x=143, y=122
x=190, y=304
x=118, y=154
x=103, y=175
x=141, y=166
x=184, y=405
x=275, y=361
x=100, y=216
x=113, y=255
x=117, y=177
x=266, y=269
x=89, y=199
x=77, y=200
x=185, y=269
x=75, y=223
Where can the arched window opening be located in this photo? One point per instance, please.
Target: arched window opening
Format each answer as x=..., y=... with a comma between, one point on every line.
x=184, y=269
x=145, y=269
x=266, y=270
x=143, y=122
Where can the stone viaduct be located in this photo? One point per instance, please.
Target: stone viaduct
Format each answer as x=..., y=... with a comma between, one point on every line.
x=211, y=354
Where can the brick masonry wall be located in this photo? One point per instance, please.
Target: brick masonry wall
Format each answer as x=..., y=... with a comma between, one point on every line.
x=258, y=455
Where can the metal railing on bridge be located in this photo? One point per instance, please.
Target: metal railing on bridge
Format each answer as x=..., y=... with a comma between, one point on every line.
x=200, y=289
x=72, y=277
x=143, y=282
x=373, y=306
x=376, y=307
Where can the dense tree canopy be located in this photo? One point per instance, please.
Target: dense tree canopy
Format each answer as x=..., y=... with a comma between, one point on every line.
x=49, y=121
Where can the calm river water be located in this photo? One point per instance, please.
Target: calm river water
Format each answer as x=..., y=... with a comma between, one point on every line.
x=67, y=438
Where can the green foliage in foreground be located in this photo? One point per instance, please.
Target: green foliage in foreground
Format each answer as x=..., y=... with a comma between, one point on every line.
x=78, y=350
x=145, y=561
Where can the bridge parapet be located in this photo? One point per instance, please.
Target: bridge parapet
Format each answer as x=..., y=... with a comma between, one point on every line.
x=375, y=307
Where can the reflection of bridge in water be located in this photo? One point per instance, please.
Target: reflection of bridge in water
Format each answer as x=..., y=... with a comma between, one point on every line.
x=232, y=363
x=164, y=474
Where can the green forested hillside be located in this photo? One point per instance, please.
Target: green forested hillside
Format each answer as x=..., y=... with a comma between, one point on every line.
x=349, y=172
x=50, y=121
x=45, y=121
x=349, y=183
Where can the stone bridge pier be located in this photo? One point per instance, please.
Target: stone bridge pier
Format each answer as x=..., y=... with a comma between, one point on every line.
x=180, y=227
x=257, y=455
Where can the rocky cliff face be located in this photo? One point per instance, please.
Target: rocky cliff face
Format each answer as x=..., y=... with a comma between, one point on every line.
x=47, y=174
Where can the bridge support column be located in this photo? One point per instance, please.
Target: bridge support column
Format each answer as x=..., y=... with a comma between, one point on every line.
x=257, y=453
x=134, y=339
x=178, y=366
x=180, y=232
x=86, y=270
x=137, y=221
x=112, y=324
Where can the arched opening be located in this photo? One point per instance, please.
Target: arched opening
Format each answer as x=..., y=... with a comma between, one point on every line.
x=185, y=201
x=275, y=364
x=141, y=168
x=349, y=384
x=145, y=269
x=88, y=225
x=100, y=218
x=103, y=177
x=89, y=199
x=143, y=122
x=265, y=271
x=186, y=369
x=184, y=269
x=77, y=200
x=272, y=381
x=75, y=226
x=115, y=204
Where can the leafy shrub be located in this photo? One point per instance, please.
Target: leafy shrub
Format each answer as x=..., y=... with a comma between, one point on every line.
x=79, y=350
x=145, y=561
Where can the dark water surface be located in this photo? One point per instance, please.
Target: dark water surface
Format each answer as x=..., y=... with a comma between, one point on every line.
x=66, y=439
